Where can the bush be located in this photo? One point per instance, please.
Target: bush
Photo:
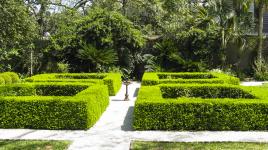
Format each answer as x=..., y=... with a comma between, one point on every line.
x=112, y=80
x=203, y=91
x=59, y=89
x=186, y=77
x=153, y=112
x=17, y=90
x=2, y=80
x=54, y=112
x=14, y=76
x=260, y=70
x=6, y=77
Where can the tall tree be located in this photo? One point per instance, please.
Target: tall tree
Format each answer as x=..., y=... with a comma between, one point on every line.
x=107, y=30
x=17, y=32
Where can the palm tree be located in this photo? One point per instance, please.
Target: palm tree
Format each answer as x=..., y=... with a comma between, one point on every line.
x=228, y=14
x=98, y=57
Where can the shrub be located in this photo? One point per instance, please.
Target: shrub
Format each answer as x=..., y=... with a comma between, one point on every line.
x=54, y=112
x=17, y=90
x=59, y=89
x=112, y=80
x=150, y=79
x=80, y=76
x=14, y=76
x=203, y=91
x=6, y=77
x=153, y=112
x=2, y=80
x=260, y=70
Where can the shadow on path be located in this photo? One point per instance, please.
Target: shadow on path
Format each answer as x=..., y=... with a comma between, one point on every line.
x=136, y=92
x=25, y=134
x=127, y=125
x=118, y=100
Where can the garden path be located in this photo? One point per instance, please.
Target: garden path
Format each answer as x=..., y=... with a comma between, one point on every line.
x=113, y=130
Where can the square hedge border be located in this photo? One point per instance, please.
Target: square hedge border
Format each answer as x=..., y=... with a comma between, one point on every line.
x=187, y=101
x=112, y=80
x=24, y=108
x=153, y=112
x=155, y=78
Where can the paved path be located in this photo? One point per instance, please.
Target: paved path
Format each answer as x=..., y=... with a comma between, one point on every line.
x=113, y=131
x=253, y=83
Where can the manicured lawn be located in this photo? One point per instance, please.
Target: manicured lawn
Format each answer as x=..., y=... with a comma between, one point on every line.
x=33, y=145
x=139, y=145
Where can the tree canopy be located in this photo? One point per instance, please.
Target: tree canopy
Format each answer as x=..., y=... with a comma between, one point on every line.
x=133, y=35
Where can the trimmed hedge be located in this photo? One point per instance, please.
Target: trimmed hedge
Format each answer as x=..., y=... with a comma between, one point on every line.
x=153, y=112
x=53, y=112
x=8, y=78
x=17, y=90
x=14, y=77
x=150, y=79
x=112, y=80
x=204, y=91
x=59, y=89
x=2, y=80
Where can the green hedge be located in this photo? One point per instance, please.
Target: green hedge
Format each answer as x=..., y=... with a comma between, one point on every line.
x=153, y=112
x=59, y=89
x=9, y=77
x=6, y=77
x=17, y=90
x=150, y=79
x=112, y=80
x=204, y=91
x=53, y=112
x=14, y=77
x=80, y=76
x=2, y=80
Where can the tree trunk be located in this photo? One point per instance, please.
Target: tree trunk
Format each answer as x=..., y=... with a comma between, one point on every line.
x=124, y=5
x=235, y=18
x=260, y=30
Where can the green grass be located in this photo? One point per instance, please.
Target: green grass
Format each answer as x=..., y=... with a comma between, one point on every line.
x=139, y=145
x=33, y=145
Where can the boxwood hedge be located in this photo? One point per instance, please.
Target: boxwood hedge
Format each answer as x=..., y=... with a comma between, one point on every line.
x=203, y=91
x=81, y=111
x=150, y=79
x=247, y=111
x=112, y=80
x=8, y=78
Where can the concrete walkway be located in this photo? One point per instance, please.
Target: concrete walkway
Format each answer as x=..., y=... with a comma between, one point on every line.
x=253, y=83
x=114, y=132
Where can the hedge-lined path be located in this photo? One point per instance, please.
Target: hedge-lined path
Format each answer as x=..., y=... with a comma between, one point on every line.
x=113, y=130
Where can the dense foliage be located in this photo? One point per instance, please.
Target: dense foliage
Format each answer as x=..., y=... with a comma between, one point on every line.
x=132, y=37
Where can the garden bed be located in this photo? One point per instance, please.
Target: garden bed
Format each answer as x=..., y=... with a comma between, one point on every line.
x=150, y=79
x=112, y=80
x=201, y=107
x=52, y=105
